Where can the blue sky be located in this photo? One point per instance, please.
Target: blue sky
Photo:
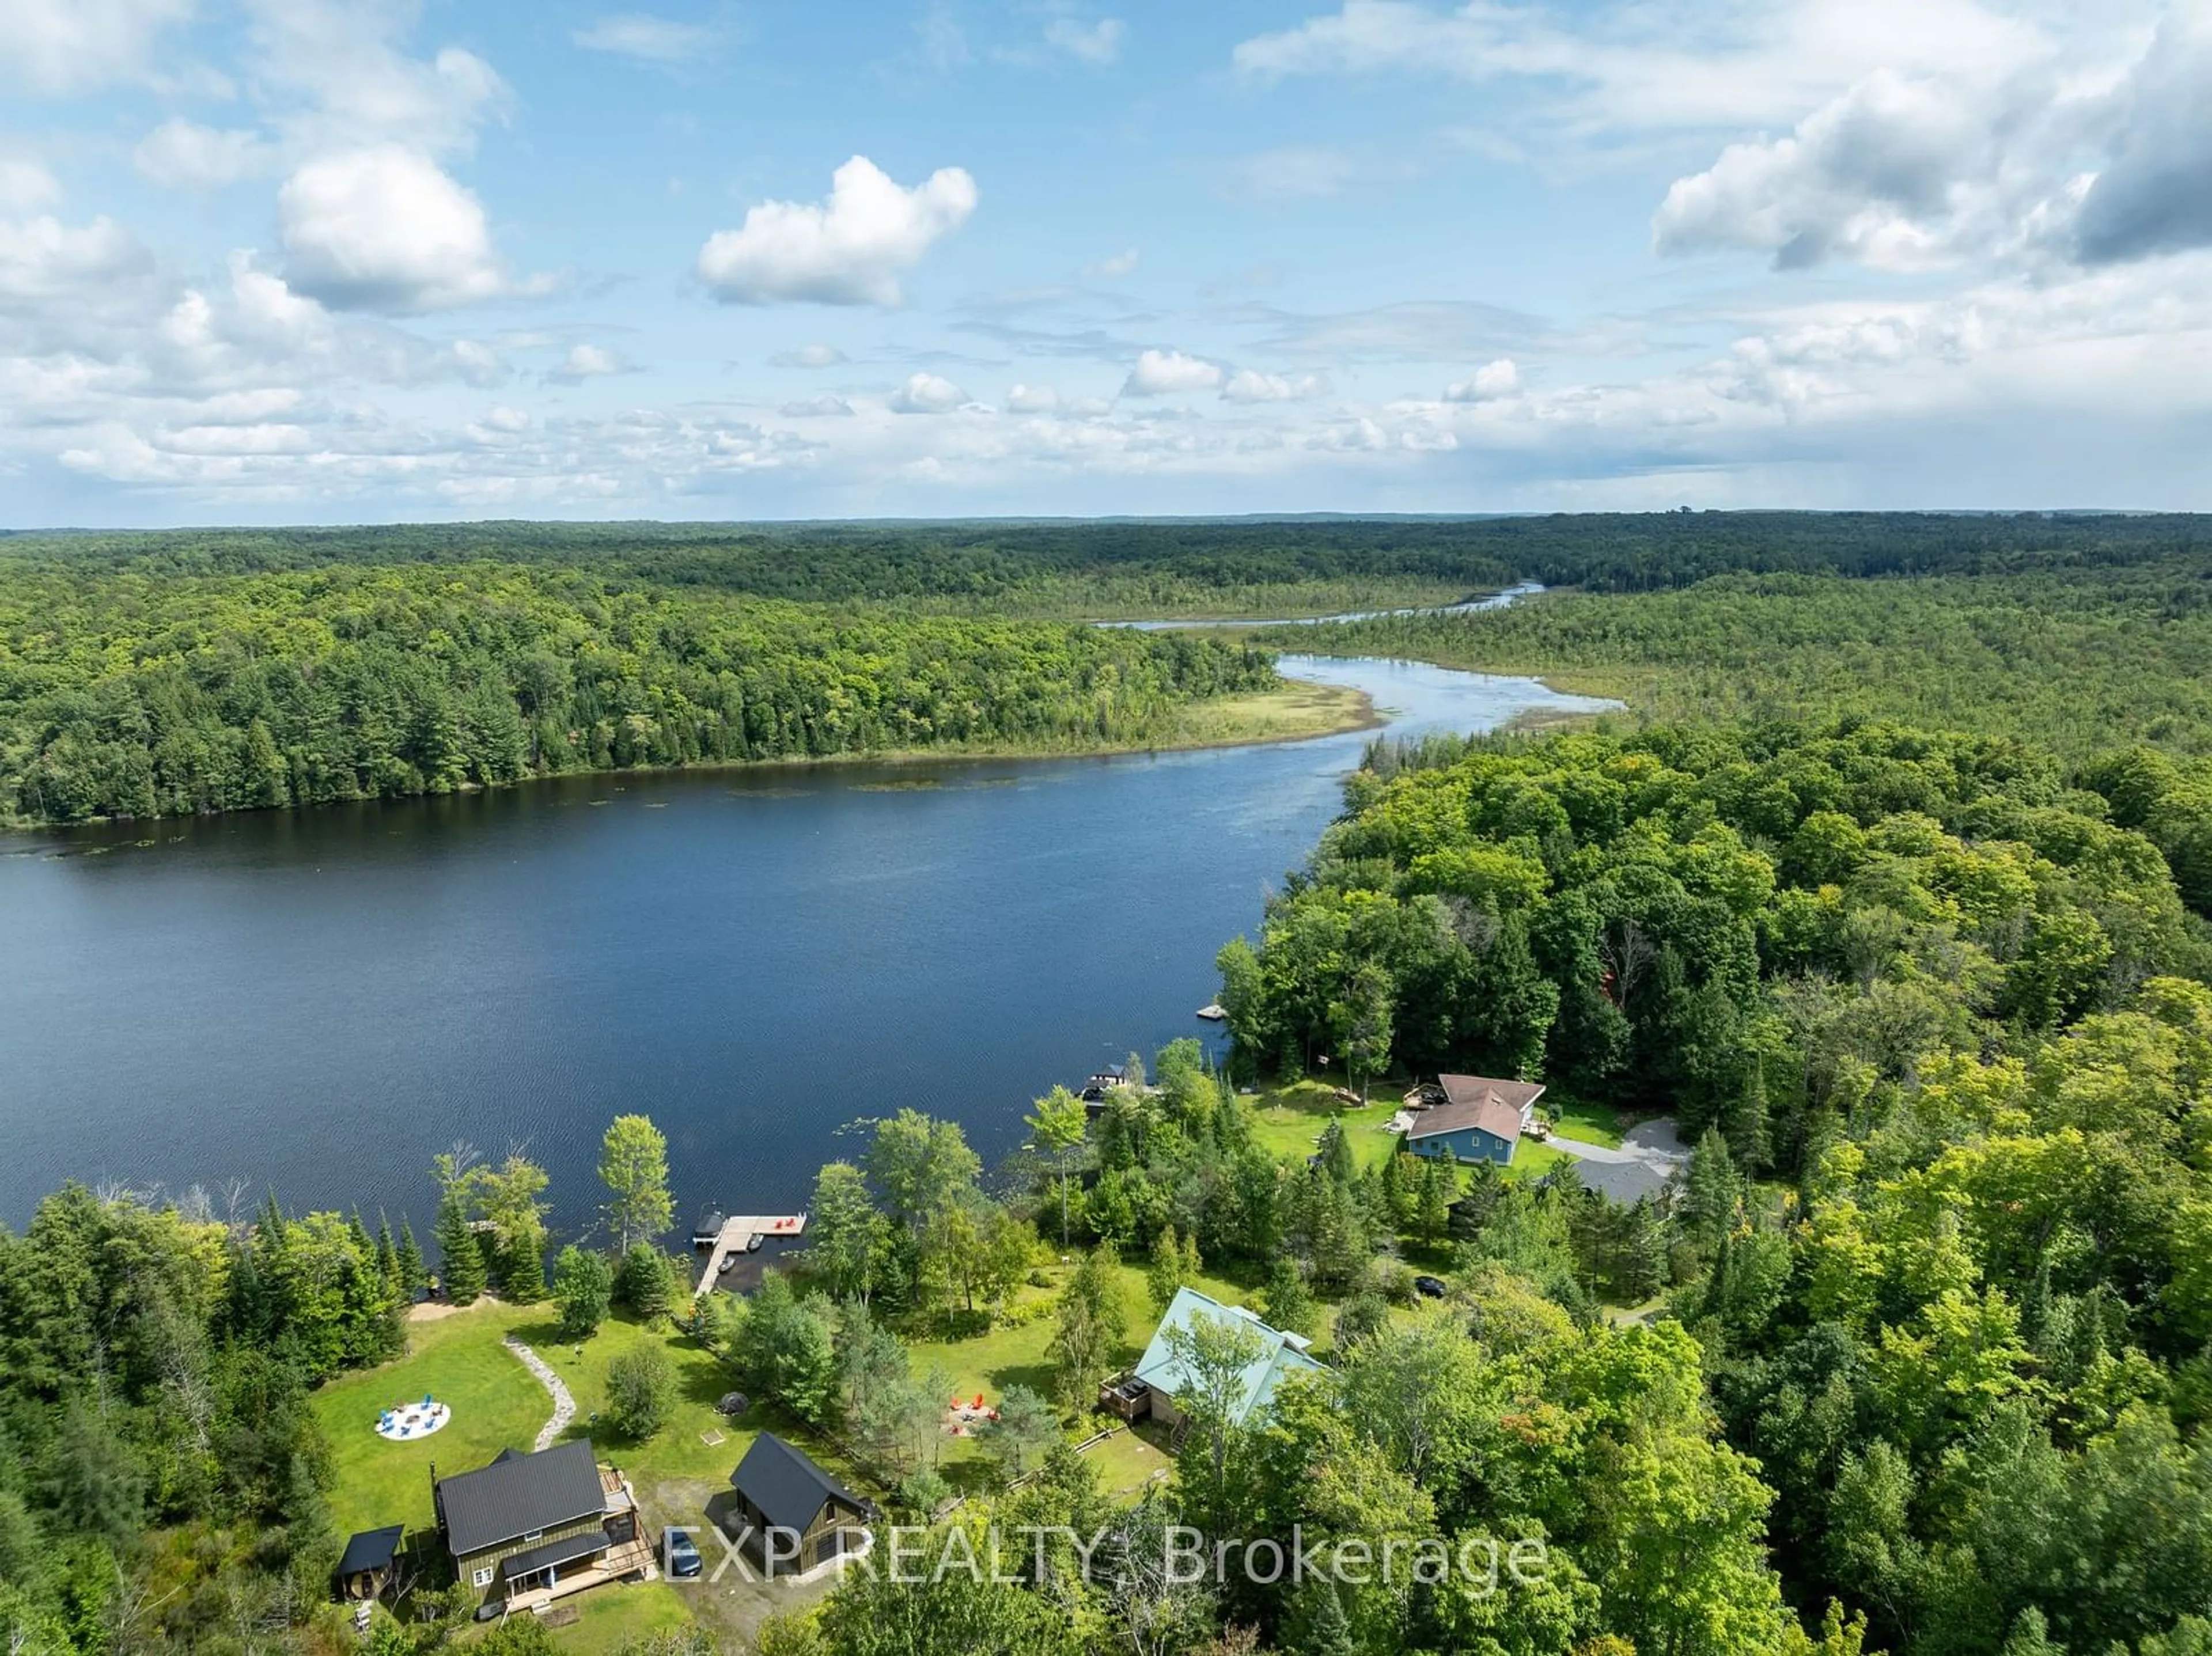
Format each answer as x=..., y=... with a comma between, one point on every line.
x=299, y=260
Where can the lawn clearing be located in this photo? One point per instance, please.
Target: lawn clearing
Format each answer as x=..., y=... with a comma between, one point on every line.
x=1533, y=1159
x=457, y=1359
x=1287, y=1120
x=1021, y=1354
x=1578, y=1119
x=1127, y=1462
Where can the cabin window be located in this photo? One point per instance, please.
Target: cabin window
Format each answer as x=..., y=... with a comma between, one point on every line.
x=483, y=1577
x=535, y=1535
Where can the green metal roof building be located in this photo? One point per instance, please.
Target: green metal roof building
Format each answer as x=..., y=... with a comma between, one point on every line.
x=1162, y=1371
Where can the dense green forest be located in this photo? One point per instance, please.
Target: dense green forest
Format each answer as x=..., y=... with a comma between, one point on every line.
x=2079, y=657
x=1154, y=566
x=1892, y=891
x=160, y=695
x=1719, y=924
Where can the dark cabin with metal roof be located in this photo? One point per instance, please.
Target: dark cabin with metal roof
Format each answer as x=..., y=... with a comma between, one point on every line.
x=365, y=1568
x=799, y=1515
x=529, y=1528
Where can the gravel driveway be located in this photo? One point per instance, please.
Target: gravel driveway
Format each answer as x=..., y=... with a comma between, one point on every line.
x=1650, y=1154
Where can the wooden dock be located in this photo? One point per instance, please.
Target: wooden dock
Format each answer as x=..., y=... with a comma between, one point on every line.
x=741, y=1235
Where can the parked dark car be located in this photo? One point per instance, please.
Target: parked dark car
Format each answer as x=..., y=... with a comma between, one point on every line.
x=683, y=1557
x=1430, y=1288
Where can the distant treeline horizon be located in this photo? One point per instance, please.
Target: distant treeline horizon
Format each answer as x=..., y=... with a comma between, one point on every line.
x=1172, y=562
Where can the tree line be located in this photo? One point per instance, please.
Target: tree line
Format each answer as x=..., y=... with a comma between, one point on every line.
x=1200, y=566
x=122, y=694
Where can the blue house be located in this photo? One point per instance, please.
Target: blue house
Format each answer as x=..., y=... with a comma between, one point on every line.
x=1480, y=1120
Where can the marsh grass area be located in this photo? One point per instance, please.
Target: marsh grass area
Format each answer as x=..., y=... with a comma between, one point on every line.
x=1292, y=712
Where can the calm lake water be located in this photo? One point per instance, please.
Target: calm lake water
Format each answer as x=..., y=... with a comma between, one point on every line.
x=320, y=1001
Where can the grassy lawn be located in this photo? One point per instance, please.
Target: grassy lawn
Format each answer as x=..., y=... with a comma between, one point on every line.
x=1533, y=1159
x=497, y=1405
x=1592, y=1124
x=457, y=1359
x=1126, y=1462
x=1021, y=1356
x=1287, y=1120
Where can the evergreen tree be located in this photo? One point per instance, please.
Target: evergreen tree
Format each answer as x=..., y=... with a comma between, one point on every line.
x=414, y=1275
x=1432, y=1207
x=387, y=1261
x=1710, y=1191
x=460, y=1261
x=643, y=1281
x=1335, y=1153
x=1324, y=1629
x=1394, y=1183
x=1286, y=1302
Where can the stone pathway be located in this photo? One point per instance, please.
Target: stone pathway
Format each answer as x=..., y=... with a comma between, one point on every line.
x=564, y=1406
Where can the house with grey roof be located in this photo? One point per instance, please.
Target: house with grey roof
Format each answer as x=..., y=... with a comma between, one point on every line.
x=531, y=1528
x=1480, y=1120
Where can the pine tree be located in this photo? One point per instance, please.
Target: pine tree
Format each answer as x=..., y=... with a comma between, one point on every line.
x=1710, y=1190
x=1324, y=1630
x=1432, y=1207
x=522, y=1267
x=460, y=1261
x=1397, y=1200
x=387, y=1260
x=414, y=1275
x=1286, y=1300
x=1336, y=1153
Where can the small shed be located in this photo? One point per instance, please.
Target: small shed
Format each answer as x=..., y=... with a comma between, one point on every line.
x=800, y=1514
x=365, y=1568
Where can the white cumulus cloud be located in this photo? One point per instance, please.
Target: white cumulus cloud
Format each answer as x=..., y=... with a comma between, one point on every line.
x=65, y=46
x=1488, y=383
x=1119, y=264
x=1032, y=399
x=1250, y=386
x=1165, y=373
x=585, y=362
x=816, y=356
x=926, y=393
x=182, y=154
x=26, y=184
x=848, y=250
x=42, y=259
x=385, y=229
x=347, y=83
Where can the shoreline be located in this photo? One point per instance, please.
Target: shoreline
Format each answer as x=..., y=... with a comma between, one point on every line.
x=1358, y=714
